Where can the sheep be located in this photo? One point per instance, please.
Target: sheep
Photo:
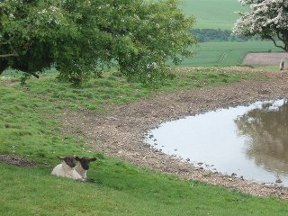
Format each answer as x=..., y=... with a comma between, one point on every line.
x=282, y=65
x=83, y=166
x=283, y=62
x=66, y=169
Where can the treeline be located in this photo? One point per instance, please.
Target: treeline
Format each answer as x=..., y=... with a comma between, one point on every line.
x=204, y=35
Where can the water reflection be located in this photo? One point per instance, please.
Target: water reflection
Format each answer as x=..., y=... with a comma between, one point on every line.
x=267, y=129
x=251, y=141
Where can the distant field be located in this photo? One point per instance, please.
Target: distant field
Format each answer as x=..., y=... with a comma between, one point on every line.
x=220, y=14
x=226, y=53
x=266, y=59
x=216, y=14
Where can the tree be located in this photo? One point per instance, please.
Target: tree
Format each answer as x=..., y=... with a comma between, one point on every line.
x=79, y=37
x=36, y=34
x=266, y=128
x=157, y=32
x=266, y=18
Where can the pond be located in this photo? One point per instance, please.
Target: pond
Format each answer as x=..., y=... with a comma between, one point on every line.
x=247, y=141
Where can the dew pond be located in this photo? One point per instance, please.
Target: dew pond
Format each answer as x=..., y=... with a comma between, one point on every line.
x=249, y=141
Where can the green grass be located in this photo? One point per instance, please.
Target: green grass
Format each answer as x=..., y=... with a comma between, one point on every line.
x=92, y=95
x=111, y=89
x=269, y=68
x=187, y=78
x=226, y=53
x=120, y=189
x=213, y=14
x=28, y=114
x=30, y=126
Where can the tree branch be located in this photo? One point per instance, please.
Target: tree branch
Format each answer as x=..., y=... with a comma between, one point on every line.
x=275, y=44
x=32, y=73
x=279, y=37
x=8, y=55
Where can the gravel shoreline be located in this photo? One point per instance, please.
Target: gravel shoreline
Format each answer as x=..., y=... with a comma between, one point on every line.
x=121, y=132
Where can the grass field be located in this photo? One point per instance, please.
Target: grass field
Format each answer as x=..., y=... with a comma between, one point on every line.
x=27, y=113
x=215, y=14
x=220, y=14
x=26, y=109
x=225, y=53
x=122, y=190
x=30, y=127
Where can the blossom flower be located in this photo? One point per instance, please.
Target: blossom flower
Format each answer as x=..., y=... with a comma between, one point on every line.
x=267, y=18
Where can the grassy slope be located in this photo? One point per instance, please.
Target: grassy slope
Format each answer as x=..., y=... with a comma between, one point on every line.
x=28, y=127
x=28, y=124
x=120, y=189
x=215, y=14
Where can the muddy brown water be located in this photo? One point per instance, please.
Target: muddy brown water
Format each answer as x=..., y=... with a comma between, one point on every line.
x=247, y=141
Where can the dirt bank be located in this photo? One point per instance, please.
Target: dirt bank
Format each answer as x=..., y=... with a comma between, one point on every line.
x=121, y=132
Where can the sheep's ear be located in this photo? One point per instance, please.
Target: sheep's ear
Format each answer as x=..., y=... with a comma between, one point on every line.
x=93, y=159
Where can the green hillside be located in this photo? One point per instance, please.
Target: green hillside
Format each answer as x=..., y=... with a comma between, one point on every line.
x=31, y=127
x=216, y=14
x=226, y=53
x=219, y=14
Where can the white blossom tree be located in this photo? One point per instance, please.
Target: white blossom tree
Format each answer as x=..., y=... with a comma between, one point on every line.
x=267, y=19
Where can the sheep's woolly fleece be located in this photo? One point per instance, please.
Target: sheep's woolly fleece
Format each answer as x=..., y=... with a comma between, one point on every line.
x=120, y=133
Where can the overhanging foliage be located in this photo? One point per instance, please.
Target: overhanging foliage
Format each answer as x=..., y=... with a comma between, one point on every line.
x=79, y=37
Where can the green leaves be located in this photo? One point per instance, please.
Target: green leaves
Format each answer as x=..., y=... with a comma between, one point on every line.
x=156, y=32
x=81, y=36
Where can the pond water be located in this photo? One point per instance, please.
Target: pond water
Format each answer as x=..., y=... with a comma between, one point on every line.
x=249, y=141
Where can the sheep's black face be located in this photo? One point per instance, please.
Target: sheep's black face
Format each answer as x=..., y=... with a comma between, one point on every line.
x=70, y=161
x=85, y=162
